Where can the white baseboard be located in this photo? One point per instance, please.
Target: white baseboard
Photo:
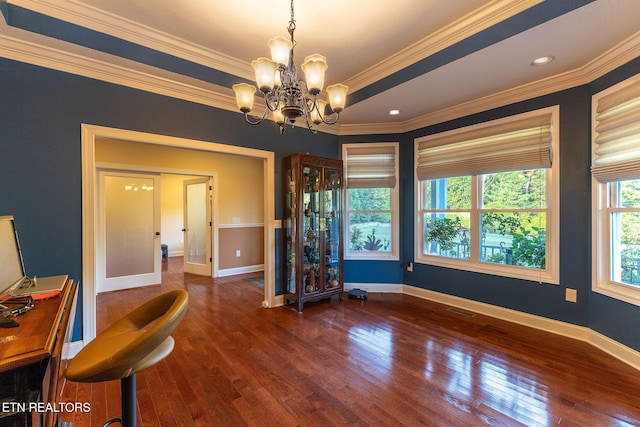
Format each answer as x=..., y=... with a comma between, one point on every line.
x=240, y=270
x=604, y=343
x=388, y=288
x=70, y=349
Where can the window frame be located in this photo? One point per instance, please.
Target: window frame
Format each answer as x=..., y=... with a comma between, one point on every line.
x=394, y=253
x=604, y=202
x=550, y=274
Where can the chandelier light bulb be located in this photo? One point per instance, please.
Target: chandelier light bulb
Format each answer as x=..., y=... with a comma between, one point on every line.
x=265, y=73
x=280, y=49
x=244, y=96
x=337, y=96
x=314, y=67
x=317, y=112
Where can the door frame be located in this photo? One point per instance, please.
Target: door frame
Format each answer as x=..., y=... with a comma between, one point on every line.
x=89, y=134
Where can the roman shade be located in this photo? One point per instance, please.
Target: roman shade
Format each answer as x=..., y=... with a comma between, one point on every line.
x=501, y=146
x=616, y=155
x=371, y=166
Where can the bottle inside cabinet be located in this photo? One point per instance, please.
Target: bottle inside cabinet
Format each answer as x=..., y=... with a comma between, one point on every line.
x=313, y=255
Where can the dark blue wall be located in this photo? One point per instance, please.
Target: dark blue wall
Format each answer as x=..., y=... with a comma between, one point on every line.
x=40, y=184
x=40, y=161
x=530, y=297
x=616, y=319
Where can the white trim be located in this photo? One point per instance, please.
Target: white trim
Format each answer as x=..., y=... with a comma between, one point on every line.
x=394, y=254
x=240, y=270
x=87, y=16
x=604, y=343
x=484, y=17
x=99, y=20
x=89, y=134
x=70, y=349
x=52, y=56
x=615, y=57
x=247, y=225
x=387, y=288
x=551, y=274
x=601, y=242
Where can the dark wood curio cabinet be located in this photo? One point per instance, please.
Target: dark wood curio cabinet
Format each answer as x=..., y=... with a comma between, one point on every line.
x=313, y=241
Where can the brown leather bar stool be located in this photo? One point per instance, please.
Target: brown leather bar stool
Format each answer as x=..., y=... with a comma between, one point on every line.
x=132, y=344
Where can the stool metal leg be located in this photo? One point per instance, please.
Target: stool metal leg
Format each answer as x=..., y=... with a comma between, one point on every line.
x=128, y=396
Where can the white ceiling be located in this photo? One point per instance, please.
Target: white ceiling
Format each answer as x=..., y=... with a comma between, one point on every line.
x=365, y=41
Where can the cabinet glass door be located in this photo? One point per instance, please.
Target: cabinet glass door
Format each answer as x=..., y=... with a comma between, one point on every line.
x=332, y=226
x=311, y=232
x=290, y=230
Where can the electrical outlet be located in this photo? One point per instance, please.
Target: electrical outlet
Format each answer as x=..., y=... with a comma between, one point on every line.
x=409, y=266
x=238, y=253
x=571, y=295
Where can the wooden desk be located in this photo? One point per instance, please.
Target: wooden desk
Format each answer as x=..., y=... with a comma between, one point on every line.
x=30, y=359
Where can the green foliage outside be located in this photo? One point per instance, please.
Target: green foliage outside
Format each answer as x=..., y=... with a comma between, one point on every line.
x=370, y=219
x=630, y=232
x=525, y=236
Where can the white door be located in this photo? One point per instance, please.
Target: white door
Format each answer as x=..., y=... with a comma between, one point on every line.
x=129, y=250
x=197, y=226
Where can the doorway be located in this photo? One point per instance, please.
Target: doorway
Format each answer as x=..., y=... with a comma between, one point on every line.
x=91, y=133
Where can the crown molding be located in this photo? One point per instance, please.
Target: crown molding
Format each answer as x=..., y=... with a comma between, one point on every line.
x=18, y=49
x=480, y=19
x=54, y=58
x=96, y=19
x=615, y=57
x=87, y=16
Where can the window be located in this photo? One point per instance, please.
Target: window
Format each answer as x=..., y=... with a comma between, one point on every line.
x=487, y=197
x=371, y=200
x=615, y=174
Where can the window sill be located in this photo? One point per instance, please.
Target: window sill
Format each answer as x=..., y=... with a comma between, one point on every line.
x=370, y=256
x=626, y=293
x=523, y=273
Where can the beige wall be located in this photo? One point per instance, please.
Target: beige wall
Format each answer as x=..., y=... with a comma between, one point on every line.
x=239, y=200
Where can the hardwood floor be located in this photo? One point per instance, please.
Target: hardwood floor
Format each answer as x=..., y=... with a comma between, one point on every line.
x=390, y=360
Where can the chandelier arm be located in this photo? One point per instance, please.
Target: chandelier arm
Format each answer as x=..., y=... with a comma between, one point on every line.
x=254, y=120
x=330, y=121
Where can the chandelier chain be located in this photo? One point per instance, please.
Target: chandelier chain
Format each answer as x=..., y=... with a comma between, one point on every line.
x=292, y=22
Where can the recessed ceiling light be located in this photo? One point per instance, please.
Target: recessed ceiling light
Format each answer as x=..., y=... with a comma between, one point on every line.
x=543, y=60
x=394, y=112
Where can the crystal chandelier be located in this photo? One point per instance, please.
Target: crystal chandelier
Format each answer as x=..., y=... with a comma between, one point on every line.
x=287, y=96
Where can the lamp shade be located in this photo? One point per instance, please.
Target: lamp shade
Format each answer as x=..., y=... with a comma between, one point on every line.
x=316, y=113
x=280, y=49
x=337, y=96
x=244, y=96
x=314, y=67
x=265, y=73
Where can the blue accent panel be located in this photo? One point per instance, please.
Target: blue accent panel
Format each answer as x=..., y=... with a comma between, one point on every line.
x=373, y=272
x=523, y=21
x=40, y=161
x=62, y=30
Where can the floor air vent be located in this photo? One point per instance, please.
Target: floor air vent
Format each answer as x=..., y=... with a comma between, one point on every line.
x=461, y=312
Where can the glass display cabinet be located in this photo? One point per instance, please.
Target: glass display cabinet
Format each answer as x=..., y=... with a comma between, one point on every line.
x=313, y=259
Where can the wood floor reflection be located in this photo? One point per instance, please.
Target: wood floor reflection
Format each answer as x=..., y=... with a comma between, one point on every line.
x=388, y=361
